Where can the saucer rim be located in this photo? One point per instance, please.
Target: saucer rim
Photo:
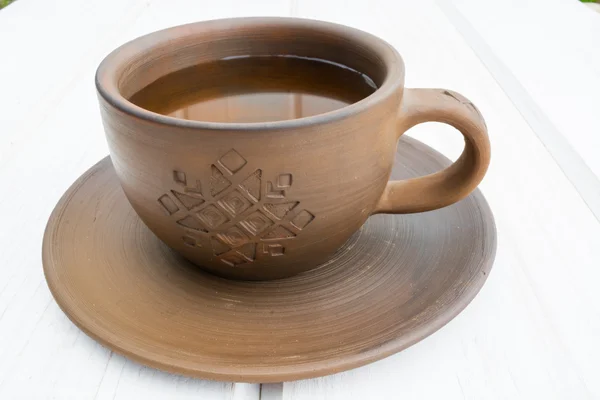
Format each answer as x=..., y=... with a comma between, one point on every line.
x=256, y=374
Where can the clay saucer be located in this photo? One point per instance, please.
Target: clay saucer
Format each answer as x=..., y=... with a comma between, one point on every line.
x=399, y=279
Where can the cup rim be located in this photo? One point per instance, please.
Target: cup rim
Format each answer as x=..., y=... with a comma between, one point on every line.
x=111, y=69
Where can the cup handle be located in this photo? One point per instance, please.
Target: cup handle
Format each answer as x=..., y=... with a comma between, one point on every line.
x=459, y=179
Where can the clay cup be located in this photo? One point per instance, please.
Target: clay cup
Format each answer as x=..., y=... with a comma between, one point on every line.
x=259, y=201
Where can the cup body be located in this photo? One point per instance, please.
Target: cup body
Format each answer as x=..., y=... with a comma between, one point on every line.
x=252, y=200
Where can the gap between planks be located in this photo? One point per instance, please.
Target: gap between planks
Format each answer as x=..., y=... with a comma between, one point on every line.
x=576, y=170
x=271, y=391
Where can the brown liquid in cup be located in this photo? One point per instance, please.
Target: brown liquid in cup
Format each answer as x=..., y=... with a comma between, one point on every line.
x=255, y=89
x=272, y=196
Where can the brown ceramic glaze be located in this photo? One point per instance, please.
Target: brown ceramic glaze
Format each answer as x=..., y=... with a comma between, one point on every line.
x=397, y=280
x=272, y=199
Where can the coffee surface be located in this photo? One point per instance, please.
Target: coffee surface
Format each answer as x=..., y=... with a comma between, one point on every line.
x=255, y=89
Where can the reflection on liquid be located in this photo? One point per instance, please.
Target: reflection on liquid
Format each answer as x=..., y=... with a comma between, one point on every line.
x=255, y=89
x=258, y=107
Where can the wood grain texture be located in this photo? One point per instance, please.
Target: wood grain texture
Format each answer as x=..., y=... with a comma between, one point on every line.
x=532, y=331
x=41, y=126
x=562, y=145
x=566, y=88
x=400, y=278
x=538, y=312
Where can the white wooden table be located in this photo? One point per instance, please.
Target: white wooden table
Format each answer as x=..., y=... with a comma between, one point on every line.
x=532, y=67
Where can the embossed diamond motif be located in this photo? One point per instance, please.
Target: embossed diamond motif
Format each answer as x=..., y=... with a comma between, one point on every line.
x=232, y=161
x=274, y=250
x=235, y=203
x=234, y=237
x=248, y=251
x=302, y=219
x=219, y=247
x=195, y=190
x=168, y=204
x=212, y=217
x=279, y=232
x=191, y=223
x=190, y=241
x=188, y=201
x=280, y=210
x=179, y=177
x=256, y=223
x=284, y=180
x=218, y=182
x=274, y=193
x=252, y=184
x=236, y=214
x=233, y=259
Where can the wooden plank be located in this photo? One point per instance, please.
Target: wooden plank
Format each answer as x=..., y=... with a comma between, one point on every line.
x=547, y=62
x=551, y=46
x=46, y=48
x=271, y=391
x=531, y=332
x=51, y=133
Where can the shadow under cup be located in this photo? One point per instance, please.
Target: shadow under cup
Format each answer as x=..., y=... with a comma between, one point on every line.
x=252, y=198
